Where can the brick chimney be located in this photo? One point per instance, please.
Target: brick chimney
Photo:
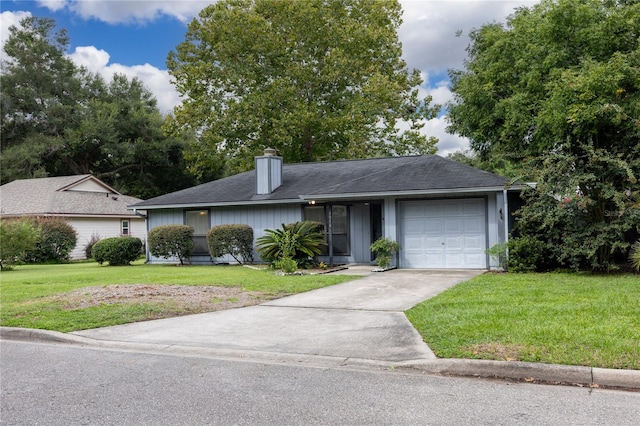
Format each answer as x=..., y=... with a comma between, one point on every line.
x=268, y=172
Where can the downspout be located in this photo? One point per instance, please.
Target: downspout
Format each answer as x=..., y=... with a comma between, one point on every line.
x=505, y=209
x=330, y=234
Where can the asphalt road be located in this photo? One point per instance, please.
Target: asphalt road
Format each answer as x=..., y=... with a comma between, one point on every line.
x=45, y=384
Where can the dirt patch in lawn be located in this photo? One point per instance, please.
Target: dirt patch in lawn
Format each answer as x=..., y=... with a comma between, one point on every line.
x=192, y=299
x=499, y=351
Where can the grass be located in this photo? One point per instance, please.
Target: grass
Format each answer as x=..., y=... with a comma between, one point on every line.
x=25, y=293
x=558, y=318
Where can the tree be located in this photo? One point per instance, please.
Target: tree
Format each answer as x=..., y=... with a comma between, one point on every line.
x=557, y=89
x=16, y=238
x=39, y=97
x=315, y=79
x=58, y=119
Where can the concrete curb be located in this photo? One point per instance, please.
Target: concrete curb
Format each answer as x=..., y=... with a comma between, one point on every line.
x=510, y=370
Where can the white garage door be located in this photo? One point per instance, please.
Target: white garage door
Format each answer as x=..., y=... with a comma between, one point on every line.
x=443, y=234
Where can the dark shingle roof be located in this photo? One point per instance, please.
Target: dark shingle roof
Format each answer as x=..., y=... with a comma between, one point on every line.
x=383, y=176
x=57, y=196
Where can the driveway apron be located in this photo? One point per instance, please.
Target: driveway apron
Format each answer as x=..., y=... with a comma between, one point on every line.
x=360, y=319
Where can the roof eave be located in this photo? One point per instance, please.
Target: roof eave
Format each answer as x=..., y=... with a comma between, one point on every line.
x=440, y=191
x=216, y=204
x=303, y=198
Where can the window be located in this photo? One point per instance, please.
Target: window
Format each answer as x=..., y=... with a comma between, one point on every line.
x=124, y=227
x=199, y=220
x=339, y=225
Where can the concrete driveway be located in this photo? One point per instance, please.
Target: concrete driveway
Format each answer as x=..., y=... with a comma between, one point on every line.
x=361, y=319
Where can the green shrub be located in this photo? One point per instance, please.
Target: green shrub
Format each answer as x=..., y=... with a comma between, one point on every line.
x=300, y=241
x=16, y=237
x=57, y=240
x=171, y=241
x=89, y=247
x=286, y=265
x=525, y=254
x=384, y=248
x=235, y=240
x=118, y=251
x=634, y=256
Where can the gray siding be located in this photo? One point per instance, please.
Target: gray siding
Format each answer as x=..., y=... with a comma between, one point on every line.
x=258, y=217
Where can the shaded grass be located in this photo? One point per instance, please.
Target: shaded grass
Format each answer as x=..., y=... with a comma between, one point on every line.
x=24, y=291
x=558, y=318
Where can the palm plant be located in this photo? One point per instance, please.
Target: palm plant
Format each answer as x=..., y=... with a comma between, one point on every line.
x=300, y=241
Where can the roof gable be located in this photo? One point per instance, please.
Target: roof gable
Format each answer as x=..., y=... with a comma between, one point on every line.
x=79, y=195
x=365, y=177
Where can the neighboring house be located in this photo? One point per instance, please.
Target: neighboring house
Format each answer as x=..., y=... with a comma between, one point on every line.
x=444, y=214
x=86, y=203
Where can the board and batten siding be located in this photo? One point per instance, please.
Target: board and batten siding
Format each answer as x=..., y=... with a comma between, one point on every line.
x=103, y=227
x=258, y=217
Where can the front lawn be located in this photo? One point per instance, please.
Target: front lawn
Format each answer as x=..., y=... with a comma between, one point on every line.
x=557, y=318
x=78, y=296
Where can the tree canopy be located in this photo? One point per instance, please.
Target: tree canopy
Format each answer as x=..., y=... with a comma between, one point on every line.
x=557, y=91
x=59, y=119
x=315, y=79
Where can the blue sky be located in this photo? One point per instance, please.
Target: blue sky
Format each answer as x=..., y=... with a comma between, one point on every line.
x=133, y=37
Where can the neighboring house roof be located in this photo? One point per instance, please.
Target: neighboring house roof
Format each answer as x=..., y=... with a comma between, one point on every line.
x=374, y=177
x=79, y=195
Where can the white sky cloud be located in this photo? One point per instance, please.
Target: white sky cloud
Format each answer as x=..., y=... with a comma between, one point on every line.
x=140, y=11
x=53, y=5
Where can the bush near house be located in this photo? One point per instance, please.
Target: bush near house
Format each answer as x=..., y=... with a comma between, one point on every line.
x=169, y=241
x=301, y=241
x=384, y=248
x=16, y=237
x=525, y=254
x=56, y=240
x=118, y=251
x=235, y=240
x=88, y=249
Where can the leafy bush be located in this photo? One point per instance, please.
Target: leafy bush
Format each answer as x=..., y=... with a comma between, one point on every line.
x=300, y=241
x=171, y=241
x=525, y=254
x=16, y=237
x=384, y=248
x=117, y=251
x=235, y=240
x=634, y=256
x=57, y=240
x=286, y=265
x=95, y=237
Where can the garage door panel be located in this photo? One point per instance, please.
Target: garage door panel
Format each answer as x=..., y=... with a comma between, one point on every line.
x=412, y=243
x=433, y=226
x=475, y=261
x=431, y=210
x=473, y=207
x=414, y=226
x=443, y=234
x=474, y=243
x=453, y=225
x=432, y=244
x=473, y=225
x=454, y=243
x=413, y=209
